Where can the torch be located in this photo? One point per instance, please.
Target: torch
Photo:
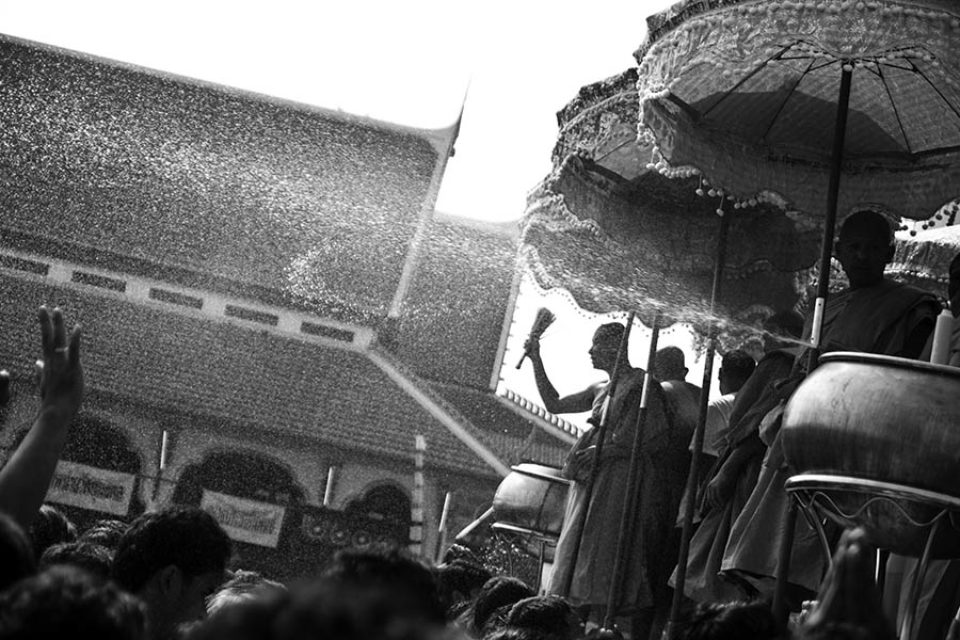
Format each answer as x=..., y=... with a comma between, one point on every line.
x=543, y=320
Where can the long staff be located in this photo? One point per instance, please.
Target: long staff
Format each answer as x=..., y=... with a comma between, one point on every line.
x=600, y=437
x=626, y=539
x=691, y=490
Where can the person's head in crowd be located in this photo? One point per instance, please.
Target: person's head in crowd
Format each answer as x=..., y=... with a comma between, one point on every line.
x=243, y=619
x=497, y=592
x=403, y=579
x=106, y=533
x=92, y=558
x=864, y=247
x=325, y=609
x=17, y=560
x=66, y=602
x=173, y=559
x=780, y=327
x=734, y=621
x=50, y=527
x=460, y=552
x=736, y=367
x=669, y=364
x=515, y=633
x=606, y=345
x=550, y=616
x=953, y=288
x=243, y=586
x=459, y=582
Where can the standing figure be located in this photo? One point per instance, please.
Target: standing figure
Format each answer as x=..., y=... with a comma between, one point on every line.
x=740, y=451
x=587, y=547
x=873, y=315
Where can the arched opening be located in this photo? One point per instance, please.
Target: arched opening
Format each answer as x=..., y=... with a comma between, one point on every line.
x=384, y=502
x=241, y=473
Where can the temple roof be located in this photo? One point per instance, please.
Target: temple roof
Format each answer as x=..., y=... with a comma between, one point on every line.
x=247, y=190
x=455, y=310
x=254, y=378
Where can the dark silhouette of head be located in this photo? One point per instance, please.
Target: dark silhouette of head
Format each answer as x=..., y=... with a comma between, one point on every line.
x=499, y=591
x=243, y=586
x=17, y=560
x=106, y=533
x=245, y=619
x=64, y=602
x=605, y=345
x=549, y=615
x=734, y=621
x=669, y=364
x=864, y=248
x=401, y=578
x=173, y=559
x=737, y=366
x=92, y=558
x=50, y=527
x=459, y=581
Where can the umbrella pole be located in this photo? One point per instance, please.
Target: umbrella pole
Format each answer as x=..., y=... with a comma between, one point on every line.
x=830, y=222
x=595, y=467
x=823, y=290
x=630, y=504
x=691, y=489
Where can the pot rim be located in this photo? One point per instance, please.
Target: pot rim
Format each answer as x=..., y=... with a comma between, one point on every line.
x=890, y=361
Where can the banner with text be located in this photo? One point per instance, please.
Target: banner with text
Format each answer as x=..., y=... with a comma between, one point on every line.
x=245, y=520
x=78, y=485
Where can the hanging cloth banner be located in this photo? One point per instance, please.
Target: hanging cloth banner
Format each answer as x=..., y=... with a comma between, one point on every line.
x=245, y=520
x=79, y=485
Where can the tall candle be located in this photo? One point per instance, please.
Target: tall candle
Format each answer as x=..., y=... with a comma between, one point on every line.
x=940, y=353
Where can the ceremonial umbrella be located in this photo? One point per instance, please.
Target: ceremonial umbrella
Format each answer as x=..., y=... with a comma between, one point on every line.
x=785, y=99
x=650, y=245
x=924, y=260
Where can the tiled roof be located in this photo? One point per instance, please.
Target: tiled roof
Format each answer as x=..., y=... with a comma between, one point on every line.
x=514, y=438
x=237, y=186
x=225, y=372
x=455, y=311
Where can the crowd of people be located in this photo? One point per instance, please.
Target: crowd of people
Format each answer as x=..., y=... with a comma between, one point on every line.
x=173, y=573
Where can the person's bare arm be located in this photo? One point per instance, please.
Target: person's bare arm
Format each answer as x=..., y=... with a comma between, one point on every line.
x=25, y=478
x=552, y=402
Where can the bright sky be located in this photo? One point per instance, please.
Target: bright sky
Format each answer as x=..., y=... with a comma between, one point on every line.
x=517, y=62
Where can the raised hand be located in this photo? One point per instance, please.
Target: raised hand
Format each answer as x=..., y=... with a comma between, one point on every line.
x=849, y=595
x=61, y=378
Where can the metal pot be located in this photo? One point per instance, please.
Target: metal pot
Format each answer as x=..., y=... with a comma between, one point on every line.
x=531, y=501
x=878, y=439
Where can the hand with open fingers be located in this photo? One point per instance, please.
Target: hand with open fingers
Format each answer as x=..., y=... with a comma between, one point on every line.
x=61, y=378
x=849, y=594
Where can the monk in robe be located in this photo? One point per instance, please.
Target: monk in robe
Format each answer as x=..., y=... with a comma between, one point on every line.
x=587, y=546
x=733, y=477
x=873, y=315
x=939, y=597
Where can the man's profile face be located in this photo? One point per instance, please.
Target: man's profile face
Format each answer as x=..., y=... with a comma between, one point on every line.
x=603, y=352
x=863, y=255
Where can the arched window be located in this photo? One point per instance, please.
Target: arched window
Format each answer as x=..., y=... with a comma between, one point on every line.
x=383, y=502
x=241, y=473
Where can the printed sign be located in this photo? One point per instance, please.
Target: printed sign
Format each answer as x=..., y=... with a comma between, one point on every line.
x=78, y=485
x=245, y=520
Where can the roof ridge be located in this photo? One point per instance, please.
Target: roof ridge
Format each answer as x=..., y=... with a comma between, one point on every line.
x=449, y=408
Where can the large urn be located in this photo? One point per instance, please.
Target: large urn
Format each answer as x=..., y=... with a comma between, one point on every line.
x=531, y=502
x=876, y=440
